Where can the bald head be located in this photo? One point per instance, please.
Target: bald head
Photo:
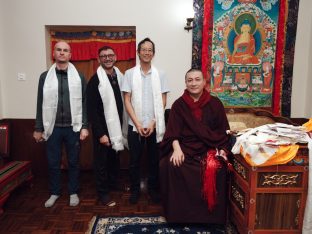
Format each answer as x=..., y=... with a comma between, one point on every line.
x=62, y=44
x=62, y=53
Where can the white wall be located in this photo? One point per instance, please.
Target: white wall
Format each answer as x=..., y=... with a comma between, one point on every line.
x=22, y=43
x=301, y=102
x=1, y=60
x=24, y=39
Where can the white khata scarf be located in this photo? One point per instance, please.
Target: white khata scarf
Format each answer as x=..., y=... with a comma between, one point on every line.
x=117, y=135
x=50, y=99
x=157, y=95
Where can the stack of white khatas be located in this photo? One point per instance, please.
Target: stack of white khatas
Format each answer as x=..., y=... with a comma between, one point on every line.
x=270, y=144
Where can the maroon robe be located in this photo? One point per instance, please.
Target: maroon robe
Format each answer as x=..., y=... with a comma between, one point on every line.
x=181, y=187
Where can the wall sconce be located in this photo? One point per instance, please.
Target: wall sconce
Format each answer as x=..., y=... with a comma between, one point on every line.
x=189, y=24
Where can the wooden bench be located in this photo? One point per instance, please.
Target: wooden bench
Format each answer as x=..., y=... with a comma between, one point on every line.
x=12, y=173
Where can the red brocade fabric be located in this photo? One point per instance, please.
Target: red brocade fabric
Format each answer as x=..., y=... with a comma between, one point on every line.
x=207, y=37
x=280, y=45
x=88, y=49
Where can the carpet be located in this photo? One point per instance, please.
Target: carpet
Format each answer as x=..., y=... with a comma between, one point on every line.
x=147, y=224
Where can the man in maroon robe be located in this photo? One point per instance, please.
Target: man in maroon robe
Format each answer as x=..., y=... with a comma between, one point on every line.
x=196, y=128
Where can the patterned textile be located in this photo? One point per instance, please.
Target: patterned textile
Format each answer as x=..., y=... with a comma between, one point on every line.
x=85, y=45
x=289, y=51
x=269, y=84
x=197, y=33
x=151, y=224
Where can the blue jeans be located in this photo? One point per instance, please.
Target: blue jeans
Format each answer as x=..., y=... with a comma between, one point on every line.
x=71, y=141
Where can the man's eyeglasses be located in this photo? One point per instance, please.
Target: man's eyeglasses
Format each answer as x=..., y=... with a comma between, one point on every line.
x=107, y=56
x=150, y=51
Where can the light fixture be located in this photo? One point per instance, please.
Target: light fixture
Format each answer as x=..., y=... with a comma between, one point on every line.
x=189, y=24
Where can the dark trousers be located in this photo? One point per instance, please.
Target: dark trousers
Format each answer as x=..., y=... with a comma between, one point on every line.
x=136, y=146
x=71, y=141
x=106, y=167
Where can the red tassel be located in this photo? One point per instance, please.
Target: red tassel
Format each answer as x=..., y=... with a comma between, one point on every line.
x=211, y=165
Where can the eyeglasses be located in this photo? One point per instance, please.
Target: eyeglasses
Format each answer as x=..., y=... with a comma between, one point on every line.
x=147, y=51
x=107, y=56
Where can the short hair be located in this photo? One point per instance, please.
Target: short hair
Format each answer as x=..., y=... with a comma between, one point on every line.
x=146, y=40
x=105, y=48
x=193, y=69
x=62, y=41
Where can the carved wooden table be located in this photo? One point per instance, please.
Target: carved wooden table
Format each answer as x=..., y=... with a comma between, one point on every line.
x=270, y=199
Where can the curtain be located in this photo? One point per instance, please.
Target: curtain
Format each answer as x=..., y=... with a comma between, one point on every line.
x=85, y=45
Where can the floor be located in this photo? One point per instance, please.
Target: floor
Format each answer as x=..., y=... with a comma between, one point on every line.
x=24, y=211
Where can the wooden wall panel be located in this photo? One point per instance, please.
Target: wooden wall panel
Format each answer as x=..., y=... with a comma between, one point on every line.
x=24, y=148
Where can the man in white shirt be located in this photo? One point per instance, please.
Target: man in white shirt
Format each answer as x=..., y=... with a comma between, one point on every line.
x=145, y=92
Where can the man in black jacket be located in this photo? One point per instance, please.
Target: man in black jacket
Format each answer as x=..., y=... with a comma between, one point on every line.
x=105, y=113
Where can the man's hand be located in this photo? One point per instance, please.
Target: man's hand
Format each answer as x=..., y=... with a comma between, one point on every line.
x=177, y=158
x=38, y=136
x=223, y=154
x=140, y=129
x=150, y=129
x=83, y=134
x=105, y=140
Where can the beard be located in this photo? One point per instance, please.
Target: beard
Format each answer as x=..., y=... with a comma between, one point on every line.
x=108, y=65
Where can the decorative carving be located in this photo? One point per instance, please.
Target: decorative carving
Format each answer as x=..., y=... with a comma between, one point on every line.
x=239, y=198
x=280, y=179
x=297, y=216
x=240, y=169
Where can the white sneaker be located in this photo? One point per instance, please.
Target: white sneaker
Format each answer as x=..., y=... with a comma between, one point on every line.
x=73, y=200
x=50, y=202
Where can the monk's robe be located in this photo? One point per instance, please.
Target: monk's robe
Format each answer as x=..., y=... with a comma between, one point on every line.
x=181, y=187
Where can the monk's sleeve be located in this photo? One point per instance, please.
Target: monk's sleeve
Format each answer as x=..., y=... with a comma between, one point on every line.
x=223, y=126
x=173, y=130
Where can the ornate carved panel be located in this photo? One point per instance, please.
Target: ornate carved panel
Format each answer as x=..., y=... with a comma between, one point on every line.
x=240, y=169
x=279, y=179
x=238, y=197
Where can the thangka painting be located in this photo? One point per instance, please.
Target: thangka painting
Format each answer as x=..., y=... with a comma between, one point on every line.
x=240, y=46
x=243, y=52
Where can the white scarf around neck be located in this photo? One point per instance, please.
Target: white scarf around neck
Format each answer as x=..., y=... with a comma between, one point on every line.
x=117, y=135
x=136, y=97
x=50, y=99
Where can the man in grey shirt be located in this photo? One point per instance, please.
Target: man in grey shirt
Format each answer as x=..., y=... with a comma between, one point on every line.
x=145, y=93
x=62, y=118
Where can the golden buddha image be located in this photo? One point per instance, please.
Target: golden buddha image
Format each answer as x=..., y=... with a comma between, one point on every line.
x=244, y=46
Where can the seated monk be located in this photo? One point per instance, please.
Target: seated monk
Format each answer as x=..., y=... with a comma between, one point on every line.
x=244, y=47
x=194, y=153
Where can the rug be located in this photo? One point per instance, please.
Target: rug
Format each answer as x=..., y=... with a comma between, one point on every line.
x=147, y=224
